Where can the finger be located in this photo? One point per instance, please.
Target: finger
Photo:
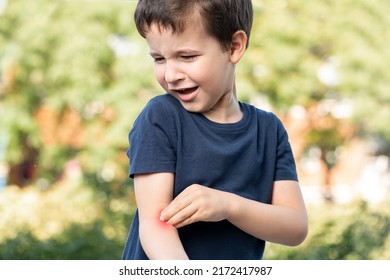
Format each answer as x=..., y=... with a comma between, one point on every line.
x=183, y=217
x=171, y=210
x=178, y=204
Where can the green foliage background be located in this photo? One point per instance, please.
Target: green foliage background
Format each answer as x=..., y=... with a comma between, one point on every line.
x=86, y=56
x=74, y=222
x=68, y=222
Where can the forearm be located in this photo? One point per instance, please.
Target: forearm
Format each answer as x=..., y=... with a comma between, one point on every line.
x=161, y=241
x=283, y=221
x=274, y=223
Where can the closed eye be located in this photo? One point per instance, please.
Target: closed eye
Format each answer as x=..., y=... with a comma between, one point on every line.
x=158, y=59
x=189, y=57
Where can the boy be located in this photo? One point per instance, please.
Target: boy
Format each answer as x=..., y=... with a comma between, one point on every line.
x=214, y=178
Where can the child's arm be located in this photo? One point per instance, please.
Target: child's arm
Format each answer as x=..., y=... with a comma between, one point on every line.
x=153, y=193
x=284, y=221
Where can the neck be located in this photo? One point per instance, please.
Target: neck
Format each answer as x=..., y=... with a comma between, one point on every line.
x=227, y=111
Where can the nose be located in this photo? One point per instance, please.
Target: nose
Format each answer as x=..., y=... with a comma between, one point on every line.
x=173, y=73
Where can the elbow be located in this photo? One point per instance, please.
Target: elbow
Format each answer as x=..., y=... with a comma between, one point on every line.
x=300, y=234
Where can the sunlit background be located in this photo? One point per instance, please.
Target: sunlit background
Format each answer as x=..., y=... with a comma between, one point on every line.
x=75, y=74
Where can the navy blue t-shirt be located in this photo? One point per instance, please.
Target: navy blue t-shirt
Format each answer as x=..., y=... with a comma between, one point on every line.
x=244, y=158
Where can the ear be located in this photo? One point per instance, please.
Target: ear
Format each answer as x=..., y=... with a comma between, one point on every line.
x=238, y=46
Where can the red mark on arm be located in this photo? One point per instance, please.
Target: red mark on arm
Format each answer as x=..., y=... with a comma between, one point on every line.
x=162, y=223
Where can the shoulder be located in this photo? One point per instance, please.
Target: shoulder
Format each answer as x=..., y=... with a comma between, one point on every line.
x=158, y=110
x=163, y=102
x=264, y=118
x=159, y=116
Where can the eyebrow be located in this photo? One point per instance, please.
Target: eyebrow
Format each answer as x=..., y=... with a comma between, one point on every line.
x=152, y=54
x=177, y=53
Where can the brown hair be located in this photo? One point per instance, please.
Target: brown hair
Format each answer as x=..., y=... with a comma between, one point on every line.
x=222, y=18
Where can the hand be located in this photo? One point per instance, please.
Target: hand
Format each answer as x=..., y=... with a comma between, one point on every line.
x=196, y=203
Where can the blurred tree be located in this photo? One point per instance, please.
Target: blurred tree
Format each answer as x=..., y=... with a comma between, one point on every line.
x=70, y=75
x=302, y=52
x=331, y=58
x=73, y=76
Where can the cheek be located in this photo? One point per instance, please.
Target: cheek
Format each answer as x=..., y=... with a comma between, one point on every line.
x=160, y=76
x=208, y=74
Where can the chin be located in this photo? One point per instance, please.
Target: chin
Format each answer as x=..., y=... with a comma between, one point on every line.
x=192, y=108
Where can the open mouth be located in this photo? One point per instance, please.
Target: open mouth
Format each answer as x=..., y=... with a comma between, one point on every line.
x=187, y=90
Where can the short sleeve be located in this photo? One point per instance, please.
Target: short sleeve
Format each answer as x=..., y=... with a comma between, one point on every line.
x=151, y=140
x=285, y=168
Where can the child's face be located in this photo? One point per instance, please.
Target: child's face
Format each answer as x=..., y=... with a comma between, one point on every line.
x=192, y=67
